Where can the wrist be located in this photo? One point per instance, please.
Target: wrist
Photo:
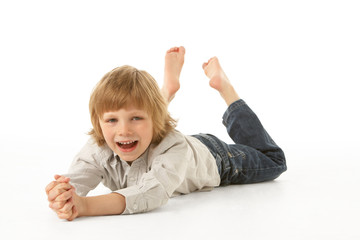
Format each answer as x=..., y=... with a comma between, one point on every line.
x=82, y=206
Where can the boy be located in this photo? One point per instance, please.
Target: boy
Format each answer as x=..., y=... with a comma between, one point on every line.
x=137, y=153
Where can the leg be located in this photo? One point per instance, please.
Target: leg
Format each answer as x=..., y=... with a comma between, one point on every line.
x=254, y=157
x=174, y=60
x=243, y=125
x=219, y=81
x=241, y=164
x=260, y=158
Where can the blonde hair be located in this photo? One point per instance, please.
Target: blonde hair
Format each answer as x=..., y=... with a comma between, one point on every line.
x=123, y=86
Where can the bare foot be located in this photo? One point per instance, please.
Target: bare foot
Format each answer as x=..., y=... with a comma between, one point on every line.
x=174, y=60
x=219, y=81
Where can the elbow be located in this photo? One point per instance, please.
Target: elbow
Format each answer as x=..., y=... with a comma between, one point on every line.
x=146, y=202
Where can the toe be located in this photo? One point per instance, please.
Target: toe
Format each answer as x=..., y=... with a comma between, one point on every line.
x=182, y=49
x=204, y=65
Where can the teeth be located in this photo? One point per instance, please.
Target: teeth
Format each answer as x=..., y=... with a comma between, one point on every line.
x=126, y=142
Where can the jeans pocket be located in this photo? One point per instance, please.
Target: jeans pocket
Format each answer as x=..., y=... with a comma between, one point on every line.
x=238, y=172
x=234, y=152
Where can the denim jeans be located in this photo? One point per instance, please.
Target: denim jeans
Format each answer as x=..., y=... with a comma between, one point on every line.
x=254, y=157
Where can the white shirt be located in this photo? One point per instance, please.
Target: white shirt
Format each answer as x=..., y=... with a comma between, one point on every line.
x=179, y=164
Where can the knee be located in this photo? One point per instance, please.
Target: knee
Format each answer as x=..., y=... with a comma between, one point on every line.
x=279, y=158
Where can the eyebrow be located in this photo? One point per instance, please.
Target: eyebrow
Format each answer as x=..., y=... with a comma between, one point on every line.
x=131, y=112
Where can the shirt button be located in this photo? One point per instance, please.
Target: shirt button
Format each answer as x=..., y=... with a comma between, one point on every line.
x=135, y=206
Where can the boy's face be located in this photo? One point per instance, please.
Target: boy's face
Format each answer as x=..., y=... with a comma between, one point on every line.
x=128, y=132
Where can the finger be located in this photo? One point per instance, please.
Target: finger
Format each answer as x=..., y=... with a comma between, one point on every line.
x=67, y=207
x=75, y=213
x=64, y=196
x=66, y=215
x=56, y=206
x=60, y=178
x=57, y=190
x=51, y=186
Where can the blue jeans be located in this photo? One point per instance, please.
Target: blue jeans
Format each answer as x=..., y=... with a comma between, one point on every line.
x=254, y=157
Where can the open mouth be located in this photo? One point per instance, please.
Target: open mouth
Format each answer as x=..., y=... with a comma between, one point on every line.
x=127, y=146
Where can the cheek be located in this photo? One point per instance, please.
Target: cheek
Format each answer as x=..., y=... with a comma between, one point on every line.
x=150, y=131
x=106, y=133
x=145, y=130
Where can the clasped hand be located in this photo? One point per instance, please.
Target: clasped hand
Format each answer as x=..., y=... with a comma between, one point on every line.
x=62, y=198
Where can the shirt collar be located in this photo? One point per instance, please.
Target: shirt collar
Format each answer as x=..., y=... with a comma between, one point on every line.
x=142, y=158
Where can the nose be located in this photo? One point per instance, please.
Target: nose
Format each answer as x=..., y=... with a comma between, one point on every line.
x=124, y=129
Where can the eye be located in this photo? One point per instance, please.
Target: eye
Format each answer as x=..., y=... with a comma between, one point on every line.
x=137, y=118
x=111, y=120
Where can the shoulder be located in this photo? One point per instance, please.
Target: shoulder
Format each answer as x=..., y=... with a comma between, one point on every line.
x=177, y=142
x=174, y=139
x=177, y=138
x=93, y=152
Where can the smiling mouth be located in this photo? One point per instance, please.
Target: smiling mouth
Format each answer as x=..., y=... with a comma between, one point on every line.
x=127, y=146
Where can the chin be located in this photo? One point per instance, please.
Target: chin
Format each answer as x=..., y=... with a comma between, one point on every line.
x=127, y=158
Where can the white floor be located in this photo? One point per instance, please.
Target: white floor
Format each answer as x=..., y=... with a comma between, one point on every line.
x=296, y=63
x=315, y=199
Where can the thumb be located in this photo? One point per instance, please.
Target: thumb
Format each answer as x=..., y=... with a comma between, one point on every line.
x=61, y=179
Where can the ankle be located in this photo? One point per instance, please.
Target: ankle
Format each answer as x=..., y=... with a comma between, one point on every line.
x=169, y=91
x=229, y=95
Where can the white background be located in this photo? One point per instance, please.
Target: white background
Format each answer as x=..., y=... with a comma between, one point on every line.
x=296, y=63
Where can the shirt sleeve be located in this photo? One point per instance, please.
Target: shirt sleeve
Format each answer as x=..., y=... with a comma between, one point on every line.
x=85, y=172
x=167, y=172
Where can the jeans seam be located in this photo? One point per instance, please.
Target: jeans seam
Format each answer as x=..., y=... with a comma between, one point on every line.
x=238, y=153
x=215, y=144
x=220, y=151
x=263, y=169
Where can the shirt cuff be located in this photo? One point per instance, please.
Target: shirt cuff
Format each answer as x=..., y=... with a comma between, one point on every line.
x=135, y=202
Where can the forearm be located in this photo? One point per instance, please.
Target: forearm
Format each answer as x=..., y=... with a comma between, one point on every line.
x=109, y=204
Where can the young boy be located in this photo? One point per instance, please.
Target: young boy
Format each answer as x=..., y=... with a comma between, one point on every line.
x=137, y=153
